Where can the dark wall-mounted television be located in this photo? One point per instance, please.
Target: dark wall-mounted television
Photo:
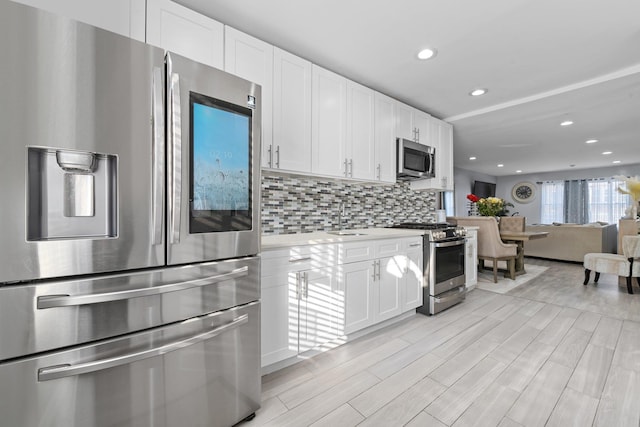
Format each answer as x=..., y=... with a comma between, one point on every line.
x=484, y=189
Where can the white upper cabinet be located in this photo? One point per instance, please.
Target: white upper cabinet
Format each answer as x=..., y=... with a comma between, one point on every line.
x=252, y=59
x=125, y=17
x=360, y=142
x=404, y=121
x=291, y=146
x=342, y=127
x=422, y=123
x=440, y=137
x=385, y=138
x=444, y=161
x=412, y=124
x=185, y=32
x=328, y=123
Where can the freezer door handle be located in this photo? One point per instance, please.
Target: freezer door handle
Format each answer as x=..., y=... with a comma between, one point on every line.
x=52, y=301
x=157, y=193
x=69, y=370
x=175, y=175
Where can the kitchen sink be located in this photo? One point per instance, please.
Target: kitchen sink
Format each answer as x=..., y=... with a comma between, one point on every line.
x=346, y=233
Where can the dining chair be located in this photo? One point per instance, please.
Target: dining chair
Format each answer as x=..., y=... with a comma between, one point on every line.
x=490, y=246
x=511, y=223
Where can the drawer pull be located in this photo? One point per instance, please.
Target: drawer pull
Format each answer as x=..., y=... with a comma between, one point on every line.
x=308, y=258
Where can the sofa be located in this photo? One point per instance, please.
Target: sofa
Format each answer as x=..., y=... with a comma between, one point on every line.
x=570, y=242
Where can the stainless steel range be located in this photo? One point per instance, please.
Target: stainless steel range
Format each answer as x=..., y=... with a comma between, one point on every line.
x=443, y=265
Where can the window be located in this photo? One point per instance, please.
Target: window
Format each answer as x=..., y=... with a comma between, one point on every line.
x=605, y=203
x=552, y=202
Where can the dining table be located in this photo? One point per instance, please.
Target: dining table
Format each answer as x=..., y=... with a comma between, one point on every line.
x=519, y=237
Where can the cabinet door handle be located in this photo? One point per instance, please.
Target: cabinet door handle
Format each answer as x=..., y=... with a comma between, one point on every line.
x=379, y=174
x=346, y=170
x=378, y=263
x=350, y=168
x=298, y=286
x=373, y=274
x=270, y=151
x=306, y=284
x=277, y=157
x=413, y=245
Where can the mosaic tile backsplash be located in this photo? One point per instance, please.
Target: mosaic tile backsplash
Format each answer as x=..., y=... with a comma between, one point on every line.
x=296, y=204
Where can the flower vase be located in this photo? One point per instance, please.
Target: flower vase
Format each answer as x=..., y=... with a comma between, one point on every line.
x=473, y=209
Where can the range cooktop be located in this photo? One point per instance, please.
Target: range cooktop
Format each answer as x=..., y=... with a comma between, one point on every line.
x=422, y=225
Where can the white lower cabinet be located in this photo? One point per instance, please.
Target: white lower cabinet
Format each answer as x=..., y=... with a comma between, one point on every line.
x=385, y=285
x=298, y=284
x=470, y=261
x=313, y=294
x=320, y=308
x=357, y=284
x=413, y=276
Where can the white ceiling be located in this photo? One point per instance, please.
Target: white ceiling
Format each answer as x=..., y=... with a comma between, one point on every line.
x=543, y=61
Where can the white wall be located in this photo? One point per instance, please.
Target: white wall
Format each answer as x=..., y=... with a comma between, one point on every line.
x=463, y=184
x=531, y=210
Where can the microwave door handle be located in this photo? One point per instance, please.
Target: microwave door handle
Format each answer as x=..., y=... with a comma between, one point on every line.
x=175, y=176
x=431, y=163
x=65, y=300
x=69, y=370
x=157, y=143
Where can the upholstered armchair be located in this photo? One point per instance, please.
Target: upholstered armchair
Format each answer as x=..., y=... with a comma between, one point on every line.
x=490, y=246
x=626, y=265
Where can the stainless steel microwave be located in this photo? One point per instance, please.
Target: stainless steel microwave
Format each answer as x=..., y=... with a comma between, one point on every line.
x=415, y=160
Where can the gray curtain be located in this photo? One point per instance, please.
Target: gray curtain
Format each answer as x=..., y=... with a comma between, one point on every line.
x=576, y=201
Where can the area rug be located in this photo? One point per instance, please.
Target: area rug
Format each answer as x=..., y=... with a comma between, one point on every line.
x=504, y=285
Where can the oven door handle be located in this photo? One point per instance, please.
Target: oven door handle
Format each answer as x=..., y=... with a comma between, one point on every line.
x=68, y=370
x=64, y=300
x=448, y=244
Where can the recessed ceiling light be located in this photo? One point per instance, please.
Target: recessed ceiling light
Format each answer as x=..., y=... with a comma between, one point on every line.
x=616, y=161
x=591, y=141
x=472, y=158
x=478, y=92
x=566, y=123
x=518, y=171
x=427, y=53
x=606, y=153
x=500, y=165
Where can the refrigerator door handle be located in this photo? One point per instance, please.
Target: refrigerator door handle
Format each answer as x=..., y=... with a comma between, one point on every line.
x=157, y=193
x=69, y=370
x=175, y=175
x=52, y=301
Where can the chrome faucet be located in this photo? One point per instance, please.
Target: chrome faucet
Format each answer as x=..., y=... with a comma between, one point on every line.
x=340, y=213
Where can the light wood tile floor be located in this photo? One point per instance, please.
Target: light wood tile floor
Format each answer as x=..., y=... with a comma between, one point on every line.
x=552, y=352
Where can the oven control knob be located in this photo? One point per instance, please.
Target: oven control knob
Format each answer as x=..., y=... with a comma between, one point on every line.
x=437, y=235
x=461, y=232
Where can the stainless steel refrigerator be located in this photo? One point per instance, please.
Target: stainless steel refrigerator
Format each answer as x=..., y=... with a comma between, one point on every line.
x=129, y=232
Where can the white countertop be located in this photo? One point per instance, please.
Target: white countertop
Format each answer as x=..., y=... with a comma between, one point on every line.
x=273, y=241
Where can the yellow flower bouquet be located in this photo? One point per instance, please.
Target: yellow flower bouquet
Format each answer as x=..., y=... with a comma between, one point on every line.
x=633, y=190
x=491, y=206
